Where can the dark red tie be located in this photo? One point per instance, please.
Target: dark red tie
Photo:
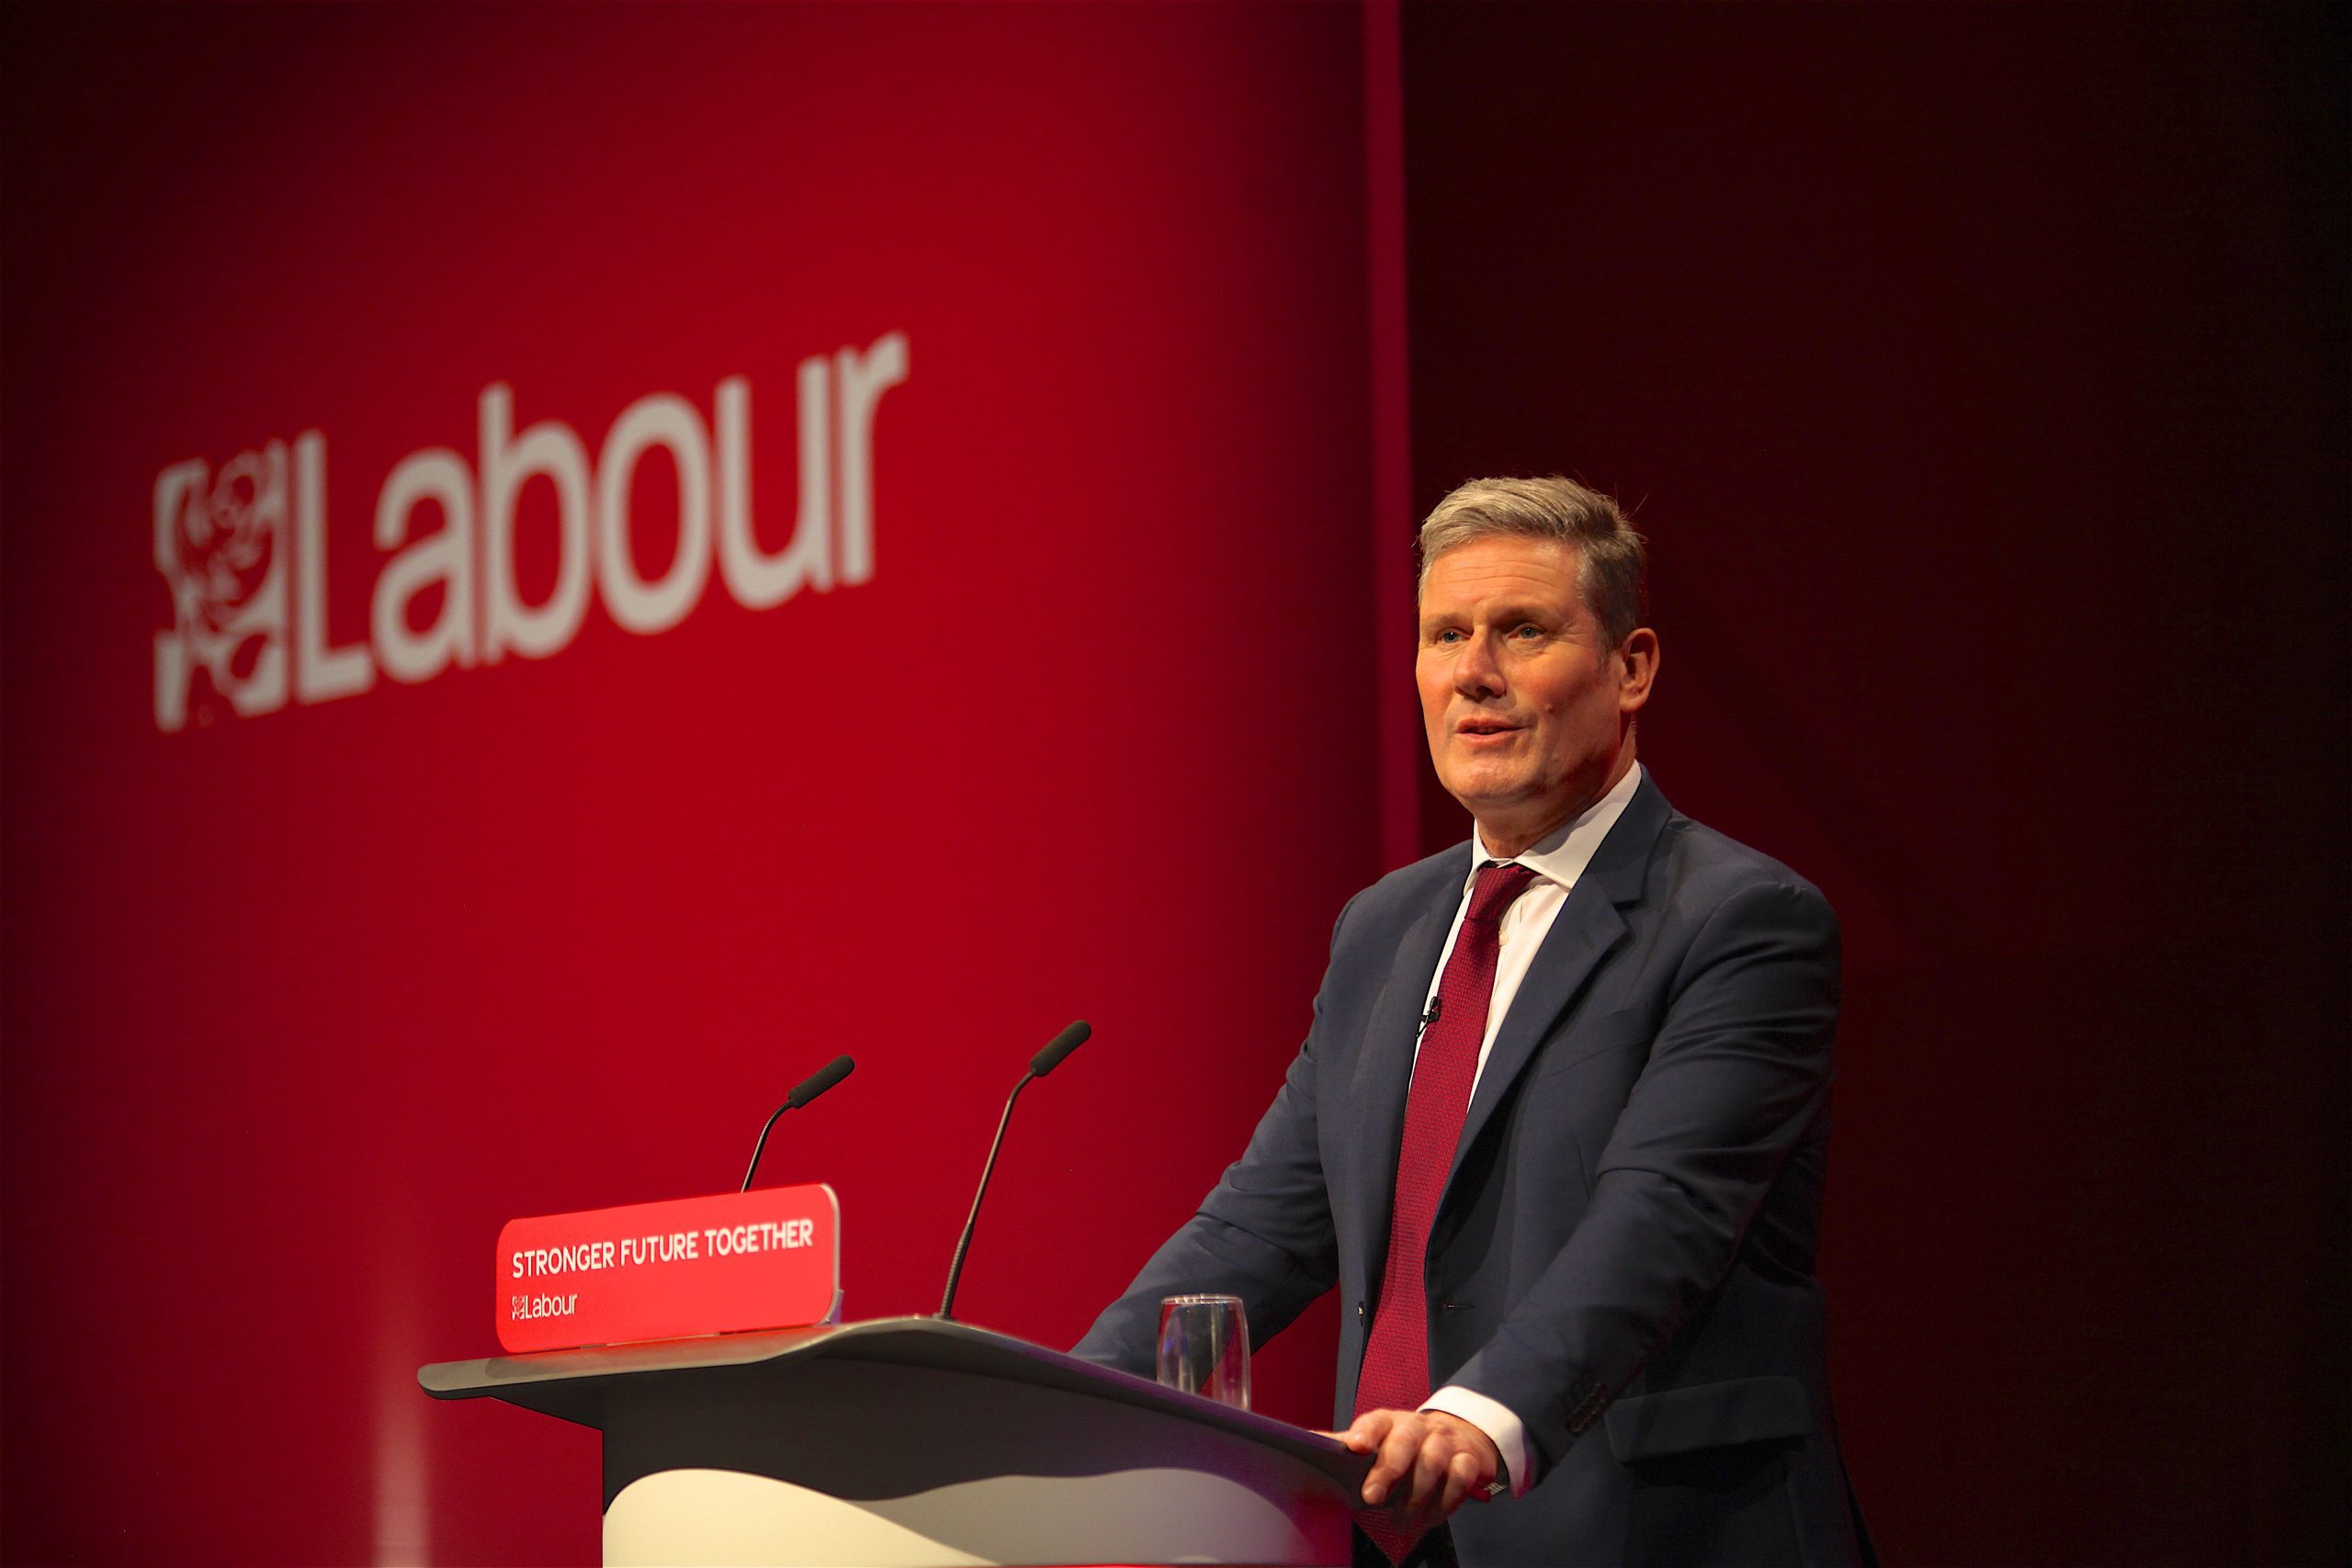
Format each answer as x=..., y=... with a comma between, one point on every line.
x=1396, y=1375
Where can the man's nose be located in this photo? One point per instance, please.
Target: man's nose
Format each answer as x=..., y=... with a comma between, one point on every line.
x=1477, y=672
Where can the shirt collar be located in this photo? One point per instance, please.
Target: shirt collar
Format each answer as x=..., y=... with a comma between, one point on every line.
x=1562, y=854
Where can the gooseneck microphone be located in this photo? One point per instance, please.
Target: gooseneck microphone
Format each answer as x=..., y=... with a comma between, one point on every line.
x=1043, y=1062
x=812, y=1085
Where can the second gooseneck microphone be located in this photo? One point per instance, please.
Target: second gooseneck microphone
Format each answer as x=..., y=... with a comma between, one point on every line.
x=815, y=1084
x=1043, y=1062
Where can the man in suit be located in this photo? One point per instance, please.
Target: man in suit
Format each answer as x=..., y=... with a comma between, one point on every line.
x=1558, y=1130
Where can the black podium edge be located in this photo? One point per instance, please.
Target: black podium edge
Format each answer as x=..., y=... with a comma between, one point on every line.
x=569, y=1384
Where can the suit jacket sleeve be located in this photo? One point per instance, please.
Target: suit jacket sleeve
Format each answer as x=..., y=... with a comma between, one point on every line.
x=1734, y=1078
x=1264, y=1234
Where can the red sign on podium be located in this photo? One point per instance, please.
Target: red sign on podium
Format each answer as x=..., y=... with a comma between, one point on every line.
x=765, y=1259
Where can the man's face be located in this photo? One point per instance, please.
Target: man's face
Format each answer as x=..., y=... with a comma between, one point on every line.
x=1526, y=714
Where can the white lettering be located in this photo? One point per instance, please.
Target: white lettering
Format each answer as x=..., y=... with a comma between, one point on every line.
x=661, y=420
x=436, y=474
x=320, y=673
x=760, y=1236
x=549, y=449
x=864, y=378
x=757, y=579
x=256, y=631
x=582, y=1257
x=675, y=1247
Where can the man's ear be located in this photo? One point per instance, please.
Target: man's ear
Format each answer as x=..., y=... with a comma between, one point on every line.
x=1637, y=656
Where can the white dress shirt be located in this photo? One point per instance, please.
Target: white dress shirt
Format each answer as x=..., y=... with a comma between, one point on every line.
x=1557, y=860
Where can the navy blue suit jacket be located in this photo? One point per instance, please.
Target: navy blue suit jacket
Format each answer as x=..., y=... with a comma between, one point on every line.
x=1624, y=1252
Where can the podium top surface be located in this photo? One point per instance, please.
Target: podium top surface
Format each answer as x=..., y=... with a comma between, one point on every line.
x=577, y=1385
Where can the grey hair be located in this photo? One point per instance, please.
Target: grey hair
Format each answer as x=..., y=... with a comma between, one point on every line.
x=1613, y=558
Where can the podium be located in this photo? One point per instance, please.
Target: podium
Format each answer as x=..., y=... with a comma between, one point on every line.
x=917, y=1443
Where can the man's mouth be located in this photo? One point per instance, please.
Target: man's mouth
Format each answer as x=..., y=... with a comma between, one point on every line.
x=1476, y=727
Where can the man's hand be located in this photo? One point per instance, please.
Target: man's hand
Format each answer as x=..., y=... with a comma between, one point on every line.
x=1429, y=1463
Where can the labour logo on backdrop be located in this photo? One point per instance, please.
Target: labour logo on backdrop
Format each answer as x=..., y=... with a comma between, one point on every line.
x=243, y=547
x=218, y=542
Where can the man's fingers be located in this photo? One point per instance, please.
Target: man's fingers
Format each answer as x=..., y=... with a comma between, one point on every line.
x=1363, y=1436
x=1430, y=1467
x=1400, y=1452
x=1425, y=1465
x=1364, y=1433
x=1462, y=1481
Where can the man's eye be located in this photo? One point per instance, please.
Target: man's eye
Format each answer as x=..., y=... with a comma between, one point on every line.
x=1526, y=630
x=1449, y=635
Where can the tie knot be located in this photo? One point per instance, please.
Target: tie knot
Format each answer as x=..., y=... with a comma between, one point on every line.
x=1498, y=882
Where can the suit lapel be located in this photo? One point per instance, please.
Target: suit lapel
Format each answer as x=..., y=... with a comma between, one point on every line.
x=1586, y=927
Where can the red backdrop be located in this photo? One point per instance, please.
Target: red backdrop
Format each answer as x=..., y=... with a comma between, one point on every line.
x=1979, y=376
x=302, y=1006
x=1978, y=373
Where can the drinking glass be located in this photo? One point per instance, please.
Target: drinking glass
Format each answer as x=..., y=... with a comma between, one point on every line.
x=1204, y=1347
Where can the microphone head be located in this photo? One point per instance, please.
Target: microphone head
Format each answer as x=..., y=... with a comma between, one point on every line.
x=1060, y=1046
x=819, y=1081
